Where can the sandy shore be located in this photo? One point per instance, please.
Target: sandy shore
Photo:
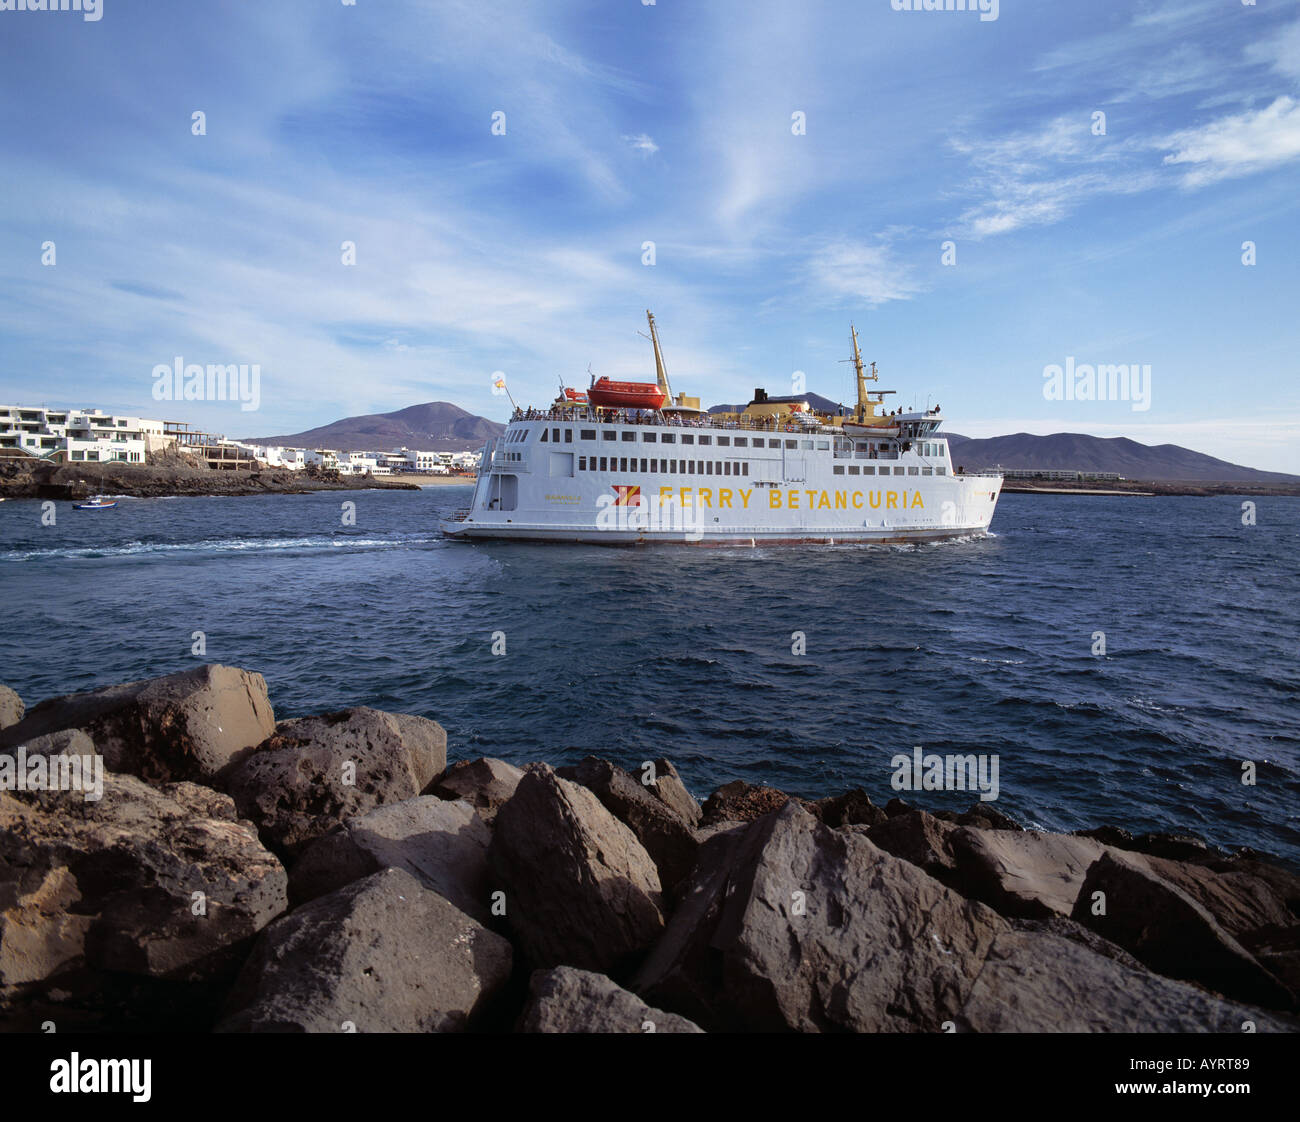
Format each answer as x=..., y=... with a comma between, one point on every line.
x=431, y=480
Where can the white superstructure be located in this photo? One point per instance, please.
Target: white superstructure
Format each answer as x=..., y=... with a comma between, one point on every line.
x=776, y=473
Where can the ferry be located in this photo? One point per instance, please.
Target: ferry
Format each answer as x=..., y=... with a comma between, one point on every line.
x=629, y=463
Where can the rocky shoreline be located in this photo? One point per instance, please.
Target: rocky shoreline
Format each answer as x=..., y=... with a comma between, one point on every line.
x=176, y=475
x=334, y=874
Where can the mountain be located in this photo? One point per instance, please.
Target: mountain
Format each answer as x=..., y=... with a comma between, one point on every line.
x=1072, y=451
x=436, y=426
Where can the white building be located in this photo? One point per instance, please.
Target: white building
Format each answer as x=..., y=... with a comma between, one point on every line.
x=81, y=435
x=360, y=463
x=327, y=459
x=273, y=455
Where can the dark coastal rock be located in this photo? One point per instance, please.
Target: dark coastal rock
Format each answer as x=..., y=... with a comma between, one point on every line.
x=790, y=925
x=668, y=838
x=484, y=783
x=1174, y=847
x=442, y=844
x=115, y=884
x=669, y=789
x=65, y=742
x=984, y=817
x=316, y=772
x=1066, y=928
x=1026, y=873
x=853, y=808
x=569, y=1000
x=1114, y=836
x=1038, y=982
x=897, y=807
x=382, y=955
x=919, y=838
x=580, y=889
x=186, y=726
x=739, y=801
x=1277, y=949
x=1242, y=896
x=11, y=707
x=1163, y=927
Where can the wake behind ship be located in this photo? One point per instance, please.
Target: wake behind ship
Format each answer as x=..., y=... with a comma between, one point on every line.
x=627, y=463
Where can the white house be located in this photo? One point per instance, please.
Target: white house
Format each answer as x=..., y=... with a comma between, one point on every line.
x=327, y=459
x=82, y=435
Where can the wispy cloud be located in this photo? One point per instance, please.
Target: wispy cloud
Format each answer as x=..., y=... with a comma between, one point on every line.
x=869, y=274
x=642, y=143
x=1243, y=144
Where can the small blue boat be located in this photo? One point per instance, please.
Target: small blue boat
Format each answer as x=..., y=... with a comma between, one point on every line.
x=97, y=502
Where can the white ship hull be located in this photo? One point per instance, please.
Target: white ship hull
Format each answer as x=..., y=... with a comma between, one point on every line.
x=633, y=484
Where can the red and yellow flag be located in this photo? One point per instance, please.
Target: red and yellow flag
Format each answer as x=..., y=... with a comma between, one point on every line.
x=627, y=494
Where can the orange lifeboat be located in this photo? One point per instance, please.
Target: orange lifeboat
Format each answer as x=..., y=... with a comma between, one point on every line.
x=626, y=395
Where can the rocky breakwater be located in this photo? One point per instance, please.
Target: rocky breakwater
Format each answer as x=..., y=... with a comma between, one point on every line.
x=168, y=474
x=205, y=867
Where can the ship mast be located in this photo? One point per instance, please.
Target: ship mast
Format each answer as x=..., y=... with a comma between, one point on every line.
x=660, y=372
x=865, y=408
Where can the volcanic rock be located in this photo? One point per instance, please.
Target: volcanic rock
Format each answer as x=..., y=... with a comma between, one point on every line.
x=186, y=726
x=1026, y=873
x=739, y=801
x=484, y=783
x=569, y=1000
x=11, y=707
x=442, y=844
x=580, y=889
x=316, y=772
x=383, y=954
x=157, y=882
x=1163, y=927
x=667, y=837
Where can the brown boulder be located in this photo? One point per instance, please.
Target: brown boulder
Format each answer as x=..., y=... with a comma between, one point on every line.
x=484, y=783
x=1027, y=873
x=853, y=808
x=162, y=882
x=580, y=889
x=1163, y=927
x=739, y=801
x=11, y=707
x=442, y=844
x=1033, y=982
x=669, y=789
x=919, y=838
x=186, y=726
x=668, y=838
x=382, y=955
x=791, y=926
x=569, y=1000
x=316, y=772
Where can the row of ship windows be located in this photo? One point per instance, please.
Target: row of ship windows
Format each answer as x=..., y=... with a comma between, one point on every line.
x=553, y=436
x=927, y=448
x=726, y=467
x=870, y=469
x=672, y=467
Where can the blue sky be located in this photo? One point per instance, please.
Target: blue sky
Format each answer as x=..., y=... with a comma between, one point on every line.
x=669, y=123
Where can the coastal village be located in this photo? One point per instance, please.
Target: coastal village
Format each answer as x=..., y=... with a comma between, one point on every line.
x=92, y=436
